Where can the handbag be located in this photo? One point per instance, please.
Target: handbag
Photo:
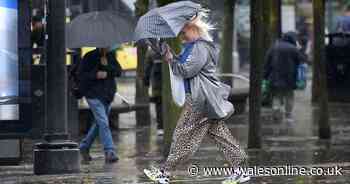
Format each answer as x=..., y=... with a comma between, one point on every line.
x=177, y=88
x=266, y=93
x=301, y=76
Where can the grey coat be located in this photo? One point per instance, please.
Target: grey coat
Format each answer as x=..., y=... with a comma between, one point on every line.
x=209, y=95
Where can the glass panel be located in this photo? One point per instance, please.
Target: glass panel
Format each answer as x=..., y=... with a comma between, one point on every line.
x=9, y=112
x=8, y=48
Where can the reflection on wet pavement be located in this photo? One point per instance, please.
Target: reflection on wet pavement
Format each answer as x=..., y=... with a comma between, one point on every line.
x=294, y=144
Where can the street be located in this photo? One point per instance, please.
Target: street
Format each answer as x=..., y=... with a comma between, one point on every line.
x=138, y=148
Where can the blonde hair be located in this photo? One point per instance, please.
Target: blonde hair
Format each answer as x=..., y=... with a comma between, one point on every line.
x=203, y=26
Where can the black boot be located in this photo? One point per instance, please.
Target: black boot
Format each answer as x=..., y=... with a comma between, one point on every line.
x=85, y=154
x=110, y=157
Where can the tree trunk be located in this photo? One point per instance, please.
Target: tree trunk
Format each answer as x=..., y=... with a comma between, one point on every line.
x=171, y=112
x=276, y=19
x=227, y=40
x=315, y=81
x=257, y=59
x=143, y=117
x=272, y=19
x=320, y=65
x=265, y=29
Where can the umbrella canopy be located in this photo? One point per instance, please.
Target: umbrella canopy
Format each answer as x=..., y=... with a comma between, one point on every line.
x=99, y=29
x=166, y=21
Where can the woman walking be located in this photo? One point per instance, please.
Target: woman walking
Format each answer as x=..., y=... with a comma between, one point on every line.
x=206, y=105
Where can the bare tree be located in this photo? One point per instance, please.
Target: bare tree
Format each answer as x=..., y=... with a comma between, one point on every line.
x=324, y=130
x=227, y=40
x=265, y=29
x=257, y=55
x=143, y=117
x=171, y=112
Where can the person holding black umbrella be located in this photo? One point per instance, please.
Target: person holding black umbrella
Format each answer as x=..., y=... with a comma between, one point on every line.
x=97, y=73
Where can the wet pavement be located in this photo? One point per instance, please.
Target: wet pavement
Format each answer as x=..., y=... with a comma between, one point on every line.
x=284, y=144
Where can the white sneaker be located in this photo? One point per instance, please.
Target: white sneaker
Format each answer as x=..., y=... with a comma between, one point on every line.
x=160, y=132
x=290, y=120
x=157, y=175
x=242, y=178
x=236, y=178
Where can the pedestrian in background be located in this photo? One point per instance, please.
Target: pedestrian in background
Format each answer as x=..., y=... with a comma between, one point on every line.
x=343, y=22
x=281, y=70
x=153, y=77
x=97, y=73
x=37, y=34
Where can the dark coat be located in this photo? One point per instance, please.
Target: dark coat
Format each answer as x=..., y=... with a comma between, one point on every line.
x=90, y=86
x=281, y=64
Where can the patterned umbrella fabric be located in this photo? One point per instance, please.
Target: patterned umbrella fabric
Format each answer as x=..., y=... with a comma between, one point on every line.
x=166, y=21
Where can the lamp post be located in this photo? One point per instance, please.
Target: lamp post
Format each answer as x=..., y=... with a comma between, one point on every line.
x=56, y=154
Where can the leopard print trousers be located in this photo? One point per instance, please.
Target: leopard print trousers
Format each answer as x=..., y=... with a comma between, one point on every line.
x=191, y=128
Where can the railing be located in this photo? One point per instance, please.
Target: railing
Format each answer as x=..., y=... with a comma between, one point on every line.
x=234, y=76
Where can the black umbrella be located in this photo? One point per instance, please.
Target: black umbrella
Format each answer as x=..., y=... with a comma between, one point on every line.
x=99, y=29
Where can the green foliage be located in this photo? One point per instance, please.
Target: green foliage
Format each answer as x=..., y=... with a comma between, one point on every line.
x=141, y=7
x=346, y=2
x=164, y=2
x=289, y=2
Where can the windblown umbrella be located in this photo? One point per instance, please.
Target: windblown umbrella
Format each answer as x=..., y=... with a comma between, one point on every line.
x=166, y=21
x=99, y=29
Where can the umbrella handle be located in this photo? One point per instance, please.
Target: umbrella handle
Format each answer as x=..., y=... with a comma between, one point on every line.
x=165, y=46
x=161, y=47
